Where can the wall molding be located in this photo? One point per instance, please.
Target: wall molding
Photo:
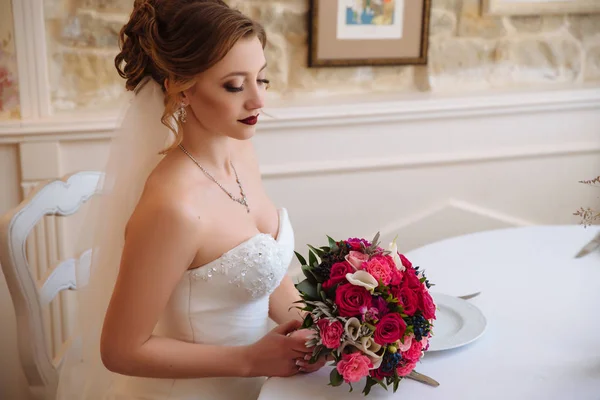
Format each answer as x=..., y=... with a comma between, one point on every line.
x=425, y=160
x=32, y=60
x=364, y=109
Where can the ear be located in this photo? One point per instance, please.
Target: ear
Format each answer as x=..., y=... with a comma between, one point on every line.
x=183, y=99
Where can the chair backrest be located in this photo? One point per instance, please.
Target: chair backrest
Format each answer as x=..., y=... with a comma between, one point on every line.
x=32, y=292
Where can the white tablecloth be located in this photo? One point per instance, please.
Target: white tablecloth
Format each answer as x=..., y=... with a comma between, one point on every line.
x=543, y=322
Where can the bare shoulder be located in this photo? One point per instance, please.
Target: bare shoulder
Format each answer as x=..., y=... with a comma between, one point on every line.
x=166, y=205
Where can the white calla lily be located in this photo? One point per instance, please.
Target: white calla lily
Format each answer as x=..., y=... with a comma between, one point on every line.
x=362, y=278
x=394, y=250
x=352, y=328
x=370, y=348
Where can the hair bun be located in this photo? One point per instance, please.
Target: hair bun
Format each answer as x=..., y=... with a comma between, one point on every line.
x=137, y=41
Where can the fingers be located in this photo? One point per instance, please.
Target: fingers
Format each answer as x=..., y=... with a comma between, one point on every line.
x=299, y=344
x=288, y=327
x=305, y=367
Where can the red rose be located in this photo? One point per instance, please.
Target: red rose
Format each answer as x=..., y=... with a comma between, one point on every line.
x=338, y=274
x=396, y=277
x=355, y=243
x=389, y=329
x=350, y=299
x=379, y=374
x=331, y=332
x=411, y=279
x=405, y=261
x=427, y=305
x=409, y=299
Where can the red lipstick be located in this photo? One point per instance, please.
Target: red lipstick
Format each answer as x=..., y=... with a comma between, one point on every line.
x=250, y=120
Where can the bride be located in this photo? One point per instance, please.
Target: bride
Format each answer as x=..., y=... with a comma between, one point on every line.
x=191, y=255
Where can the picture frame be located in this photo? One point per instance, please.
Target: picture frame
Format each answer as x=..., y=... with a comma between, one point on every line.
x=539, y=7
x=368, y=32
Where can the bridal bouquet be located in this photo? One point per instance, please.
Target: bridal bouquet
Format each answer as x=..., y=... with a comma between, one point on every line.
x=370, y=310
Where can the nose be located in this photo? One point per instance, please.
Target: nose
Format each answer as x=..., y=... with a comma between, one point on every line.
x=256, y=99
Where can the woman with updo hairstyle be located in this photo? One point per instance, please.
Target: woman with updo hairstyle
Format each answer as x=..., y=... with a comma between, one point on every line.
x=190, y=256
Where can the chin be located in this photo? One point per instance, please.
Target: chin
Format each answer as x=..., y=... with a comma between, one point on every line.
x=247, y=132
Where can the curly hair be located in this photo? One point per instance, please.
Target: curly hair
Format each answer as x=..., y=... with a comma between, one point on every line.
x=172, y=41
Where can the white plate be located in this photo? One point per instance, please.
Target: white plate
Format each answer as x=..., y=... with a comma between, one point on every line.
x=458, y=322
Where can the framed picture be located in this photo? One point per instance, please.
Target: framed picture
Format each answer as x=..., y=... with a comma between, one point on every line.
x=368, y=32
x=538, y=7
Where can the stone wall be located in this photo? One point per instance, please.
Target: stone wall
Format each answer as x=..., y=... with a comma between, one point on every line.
x=9, y=85
x=467, y=52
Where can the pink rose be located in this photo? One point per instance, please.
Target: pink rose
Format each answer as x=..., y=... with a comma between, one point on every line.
x=413, y=354
x=405, y=261
x=425, y=343
x=338, y=274
x=427, y=305
x=354, y=366
x=405, y=369
x=379, y=268
x=351, y=298
x=390, y=329
x=407, y=343
x=331, y=332
x=356, y=258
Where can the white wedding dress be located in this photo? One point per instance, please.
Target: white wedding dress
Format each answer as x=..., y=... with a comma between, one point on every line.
x=225, y=302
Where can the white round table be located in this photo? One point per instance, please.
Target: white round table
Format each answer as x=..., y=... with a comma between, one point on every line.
x=542, y=306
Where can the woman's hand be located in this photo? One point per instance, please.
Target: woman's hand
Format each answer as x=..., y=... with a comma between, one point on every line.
x=303, y=363
x=276, y=354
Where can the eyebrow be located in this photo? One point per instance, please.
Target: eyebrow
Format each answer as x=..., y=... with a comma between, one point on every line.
x=242, y=73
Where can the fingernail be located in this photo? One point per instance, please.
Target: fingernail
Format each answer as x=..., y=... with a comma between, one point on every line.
x=301, y=370
x=307, y=357
x=300, y=363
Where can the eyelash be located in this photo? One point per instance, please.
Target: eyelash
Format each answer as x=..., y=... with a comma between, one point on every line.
x=235, y=89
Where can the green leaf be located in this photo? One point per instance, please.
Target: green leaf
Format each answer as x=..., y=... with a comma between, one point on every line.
x=308, y=322
x=321, y=292
x=308, y=289
x=310, y=275
x=332, y=242
x=335, y=379
x=375, y=241
x=371, y=327
x=370, y=383
x=312, y=259
x=300, y=258
x=318, y=252
x=397, y=380
x=382, y=385
x=316, y=354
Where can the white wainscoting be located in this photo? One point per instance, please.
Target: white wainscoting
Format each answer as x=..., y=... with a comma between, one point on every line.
x=423, y=167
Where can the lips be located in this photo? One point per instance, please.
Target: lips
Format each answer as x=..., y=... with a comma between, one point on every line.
x=250, y=120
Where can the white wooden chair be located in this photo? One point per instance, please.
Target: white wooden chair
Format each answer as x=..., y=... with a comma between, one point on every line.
x=32, y=291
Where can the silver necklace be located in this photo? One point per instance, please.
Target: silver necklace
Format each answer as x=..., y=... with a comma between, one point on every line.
x=242, y=200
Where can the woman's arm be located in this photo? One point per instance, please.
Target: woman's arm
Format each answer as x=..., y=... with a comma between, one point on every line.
x=281, y=304
x=160, y=244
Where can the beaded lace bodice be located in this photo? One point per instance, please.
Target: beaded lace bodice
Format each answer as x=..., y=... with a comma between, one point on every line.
x=227, y=299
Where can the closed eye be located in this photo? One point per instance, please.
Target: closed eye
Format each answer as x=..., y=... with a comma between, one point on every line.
x=237, y=89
